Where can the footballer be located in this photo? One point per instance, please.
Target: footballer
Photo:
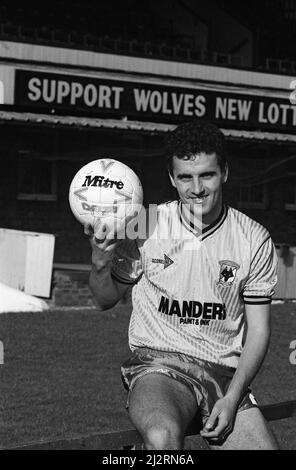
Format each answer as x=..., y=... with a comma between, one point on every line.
x=203, y=278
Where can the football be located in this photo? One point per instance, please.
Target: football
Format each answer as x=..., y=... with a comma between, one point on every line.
x=106, y=190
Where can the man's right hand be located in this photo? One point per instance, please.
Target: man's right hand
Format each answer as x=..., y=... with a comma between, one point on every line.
x=106, y=290
x=103, y=243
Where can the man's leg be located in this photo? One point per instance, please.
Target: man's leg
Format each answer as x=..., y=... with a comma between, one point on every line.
x=161, y=409
x=250, y=432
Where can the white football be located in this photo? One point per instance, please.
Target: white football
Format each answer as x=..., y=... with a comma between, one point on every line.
x=108, y=190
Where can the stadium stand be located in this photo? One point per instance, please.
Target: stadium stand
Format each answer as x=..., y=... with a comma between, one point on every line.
x=131, y=31
x=274, y=25
x=137, y=31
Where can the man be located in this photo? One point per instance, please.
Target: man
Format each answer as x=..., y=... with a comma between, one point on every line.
x=203, y=279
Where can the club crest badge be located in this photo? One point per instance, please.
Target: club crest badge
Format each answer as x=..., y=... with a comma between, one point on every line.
x=227, y=275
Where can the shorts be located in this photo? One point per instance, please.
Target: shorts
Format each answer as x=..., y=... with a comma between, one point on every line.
x=207, y=381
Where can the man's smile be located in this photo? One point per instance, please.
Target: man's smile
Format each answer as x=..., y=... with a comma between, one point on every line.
x=199, y=199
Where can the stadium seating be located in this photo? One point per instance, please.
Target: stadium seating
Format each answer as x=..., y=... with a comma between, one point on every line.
x=127, y=28
x=131, y=31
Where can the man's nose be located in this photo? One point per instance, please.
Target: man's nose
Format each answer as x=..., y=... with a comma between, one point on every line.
x=197, y=186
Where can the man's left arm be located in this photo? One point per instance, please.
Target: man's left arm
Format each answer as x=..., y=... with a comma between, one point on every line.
x=256, y=344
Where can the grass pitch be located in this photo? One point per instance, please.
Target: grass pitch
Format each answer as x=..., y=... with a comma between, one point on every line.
x=61, y=373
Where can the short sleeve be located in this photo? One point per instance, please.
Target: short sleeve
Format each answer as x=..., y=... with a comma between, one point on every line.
x=126, y=262
x=262, y=279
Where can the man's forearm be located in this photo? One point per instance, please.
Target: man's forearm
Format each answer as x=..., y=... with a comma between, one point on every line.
x=103, y=287
x=252, y=356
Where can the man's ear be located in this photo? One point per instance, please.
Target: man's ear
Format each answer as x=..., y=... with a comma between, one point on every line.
x=172, y=180
x=225, y=174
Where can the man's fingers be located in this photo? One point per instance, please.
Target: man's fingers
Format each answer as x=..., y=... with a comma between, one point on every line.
x=101, y=236
x=218, y=432
x=88, y=230
x=101, y=232
x=211, y=422
x=98, y=230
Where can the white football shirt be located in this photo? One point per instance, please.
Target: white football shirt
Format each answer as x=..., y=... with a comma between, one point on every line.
x=191, y=286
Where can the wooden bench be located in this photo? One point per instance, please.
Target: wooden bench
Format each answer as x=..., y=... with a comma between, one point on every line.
x=131, y=439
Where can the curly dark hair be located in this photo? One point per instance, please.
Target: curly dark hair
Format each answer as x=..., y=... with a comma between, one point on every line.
x=194, y=137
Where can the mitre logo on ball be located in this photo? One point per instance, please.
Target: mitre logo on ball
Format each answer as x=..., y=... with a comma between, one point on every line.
x=101, y=181
x=106, y=189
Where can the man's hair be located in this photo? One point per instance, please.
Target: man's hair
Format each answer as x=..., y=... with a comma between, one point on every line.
x=195, y=137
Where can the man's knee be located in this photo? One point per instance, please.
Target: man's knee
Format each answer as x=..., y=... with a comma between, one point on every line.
x=163, y=437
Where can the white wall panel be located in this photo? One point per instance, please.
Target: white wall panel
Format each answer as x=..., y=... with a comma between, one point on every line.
x=7, y=74
x=40, y=249
x=12, y=259
x=26, y=260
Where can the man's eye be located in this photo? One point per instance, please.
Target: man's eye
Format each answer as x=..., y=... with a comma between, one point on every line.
x=185, y=178
x=207, y=176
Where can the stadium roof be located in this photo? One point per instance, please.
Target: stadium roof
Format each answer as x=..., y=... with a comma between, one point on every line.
x=125, y=124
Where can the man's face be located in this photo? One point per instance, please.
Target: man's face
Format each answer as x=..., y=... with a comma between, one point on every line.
x=199, y=185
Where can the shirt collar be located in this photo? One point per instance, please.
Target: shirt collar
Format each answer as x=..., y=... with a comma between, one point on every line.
x=197, y=231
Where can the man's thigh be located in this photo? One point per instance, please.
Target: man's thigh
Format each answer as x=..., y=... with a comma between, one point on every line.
x=250, y=432
x=161, y=401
